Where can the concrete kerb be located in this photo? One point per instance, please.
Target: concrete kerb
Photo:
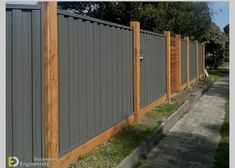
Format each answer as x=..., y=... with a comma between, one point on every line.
x=147, y=145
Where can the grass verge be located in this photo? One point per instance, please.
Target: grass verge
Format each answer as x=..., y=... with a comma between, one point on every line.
x=215, y=74
x=222, y=152
x=114, y=150
x=225, y=65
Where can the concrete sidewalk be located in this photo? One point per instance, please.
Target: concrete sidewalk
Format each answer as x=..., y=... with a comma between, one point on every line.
x=192, y=142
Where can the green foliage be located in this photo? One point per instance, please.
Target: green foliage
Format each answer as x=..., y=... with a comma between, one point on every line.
x=226, y=29
x=77, y=7
x=215, y=45
x=215, y=74
x=185, y=18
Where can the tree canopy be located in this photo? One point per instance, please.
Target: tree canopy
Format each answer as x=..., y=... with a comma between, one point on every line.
x=216, y=42
x=186, y=18
x=226, y=29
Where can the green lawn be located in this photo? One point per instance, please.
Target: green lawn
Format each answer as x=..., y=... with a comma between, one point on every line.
x=215, y=74
x=222, y=153
x=115, y=149
x=225, y=65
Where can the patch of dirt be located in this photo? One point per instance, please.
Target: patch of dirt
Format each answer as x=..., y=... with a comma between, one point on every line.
x=188, y=93
x=157, y=120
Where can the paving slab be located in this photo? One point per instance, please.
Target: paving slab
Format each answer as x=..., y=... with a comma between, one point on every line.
x=192, y=141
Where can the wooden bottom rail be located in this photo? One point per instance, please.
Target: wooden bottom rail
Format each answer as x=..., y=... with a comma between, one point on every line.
x=192, y=81
x=73, y=155
x=154, y=104
x=183, y=86
x=201, y=76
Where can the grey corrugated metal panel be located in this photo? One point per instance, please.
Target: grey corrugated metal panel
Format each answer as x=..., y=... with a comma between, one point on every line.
x=154, y=86
x=109, y=75
x=106, y=77
x=16, y=83
x=164, y=68
x=73, y=84
x=66, y=13
x=63, y=84
x=151, y=33
x=37, y=83
x=97, y=37
x=183, y=62
x=24, y=62
x=158, y=72
x=90, y=77
x=103, y=72
x=159, y=68
x=81, y=81
x=162, y=41
x=123, y=76
x=23, y=7
x=143, y=69
x=192, y=42
x=200, y=58
x=27, y=87
x=82, y=77
x=152, y=68
x=9, y=109
x=131, y=71
x=192, y=60
x=42, y=81
x=98, y=110
x=162, y=64
x=141, y=74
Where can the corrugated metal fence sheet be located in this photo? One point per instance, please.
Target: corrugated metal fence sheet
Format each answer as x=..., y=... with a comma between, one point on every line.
x=192, y=60
x=183, y=62
x=153, y=67
x=95, y=77
x=200, y=58
x=24, y=82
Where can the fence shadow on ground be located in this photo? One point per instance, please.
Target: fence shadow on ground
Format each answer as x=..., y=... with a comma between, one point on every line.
x=184, y=150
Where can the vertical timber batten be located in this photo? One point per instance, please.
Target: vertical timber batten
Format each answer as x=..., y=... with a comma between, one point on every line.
x=203, y=59
x=187, y=58
x=51, y=81
x=168, y=64
x=197, y=73
x=137, y=107
x=178, y=43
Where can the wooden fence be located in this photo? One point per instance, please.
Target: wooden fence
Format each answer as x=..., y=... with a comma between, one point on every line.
x=74, y=81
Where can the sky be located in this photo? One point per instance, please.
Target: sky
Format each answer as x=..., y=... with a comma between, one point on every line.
x=221, y=13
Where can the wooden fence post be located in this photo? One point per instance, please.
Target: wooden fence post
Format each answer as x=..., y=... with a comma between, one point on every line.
x=203, y=59
x=178, y=43
x=137, y=107
x=197, y=74
x=51, y=81
x=168, y=64
x=187, y=58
